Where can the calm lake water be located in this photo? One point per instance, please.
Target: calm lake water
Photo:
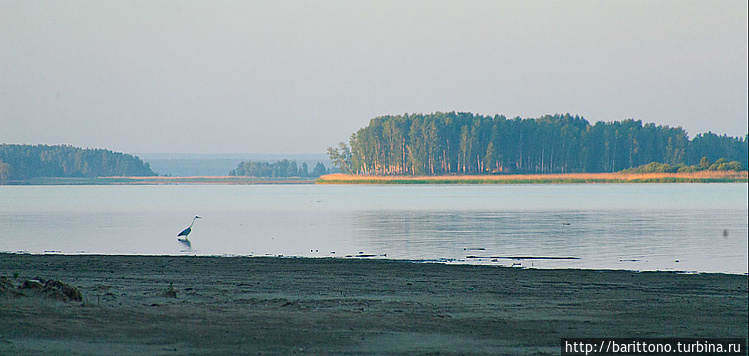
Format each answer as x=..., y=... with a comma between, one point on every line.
x=683, y=227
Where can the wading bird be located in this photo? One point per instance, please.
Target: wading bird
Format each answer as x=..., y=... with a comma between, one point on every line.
x=187, y=231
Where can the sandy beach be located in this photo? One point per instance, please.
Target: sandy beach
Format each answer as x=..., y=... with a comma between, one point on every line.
x=210, y=305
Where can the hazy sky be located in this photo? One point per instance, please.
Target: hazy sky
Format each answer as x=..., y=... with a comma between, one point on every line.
x=299, y=76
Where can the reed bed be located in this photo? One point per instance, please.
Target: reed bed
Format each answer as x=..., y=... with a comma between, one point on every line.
x=692, y=177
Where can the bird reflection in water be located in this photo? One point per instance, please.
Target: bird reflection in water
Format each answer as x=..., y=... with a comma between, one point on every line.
x=186, y=244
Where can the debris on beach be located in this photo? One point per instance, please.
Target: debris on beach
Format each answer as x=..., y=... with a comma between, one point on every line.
x=170, y=292
x=59, y=290
x=51, y=288
x=7, y=287
x=524, y=257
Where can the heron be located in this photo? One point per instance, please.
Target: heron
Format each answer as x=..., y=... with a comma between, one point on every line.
x=187, y=231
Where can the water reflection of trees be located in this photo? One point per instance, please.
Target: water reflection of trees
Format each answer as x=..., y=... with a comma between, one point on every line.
x=449, y=234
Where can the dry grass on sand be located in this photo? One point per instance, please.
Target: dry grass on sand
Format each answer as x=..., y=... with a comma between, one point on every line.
x=702, y=176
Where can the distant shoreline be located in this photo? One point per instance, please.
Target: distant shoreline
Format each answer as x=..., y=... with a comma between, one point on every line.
x=161, y=180
x=565, y=178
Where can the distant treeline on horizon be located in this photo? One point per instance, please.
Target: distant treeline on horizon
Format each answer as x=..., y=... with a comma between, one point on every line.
x=464, y=143
x=27, y=162
x=279, y=169
x=23, y=162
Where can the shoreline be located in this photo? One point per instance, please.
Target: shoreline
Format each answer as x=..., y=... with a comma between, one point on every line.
x=374, y=257
x=207, y=180
x=249, y=305
x=561, y=178
x=337, y=178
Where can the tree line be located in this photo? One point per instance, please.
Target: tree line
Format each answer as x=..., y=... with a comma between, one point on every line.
x=22, y=162
x=464, y=143
x=279, y=169
x=705, y=165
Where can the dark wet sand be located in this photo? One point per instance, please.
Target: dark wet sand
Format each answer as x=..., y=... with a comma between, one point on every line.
x=346, y=306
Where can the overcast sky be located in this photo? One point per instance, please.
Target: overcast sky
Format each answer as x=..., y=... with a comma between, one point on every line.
x=299, y=76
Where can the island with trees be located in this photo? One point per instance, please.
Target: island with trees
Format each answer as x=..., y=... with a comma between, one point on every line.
x=279, y=169
x=465, y=144
x=27, y=163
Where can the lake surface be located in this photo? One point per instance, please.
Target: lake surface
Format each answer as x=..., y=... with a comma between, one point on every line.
x=683, y=227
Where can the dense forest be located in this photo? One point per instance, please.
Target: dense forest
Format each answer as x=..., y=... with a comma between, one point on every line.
x=21, y=162
x=464, y=143
x=279, y=169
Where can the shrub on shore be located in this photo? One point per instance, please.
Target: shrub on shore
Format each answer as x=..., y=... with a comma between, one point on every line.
x=704, y=165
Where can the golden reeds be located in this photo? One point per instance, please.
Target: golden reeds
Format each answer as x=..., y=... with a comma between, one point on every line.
x=702, y=176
